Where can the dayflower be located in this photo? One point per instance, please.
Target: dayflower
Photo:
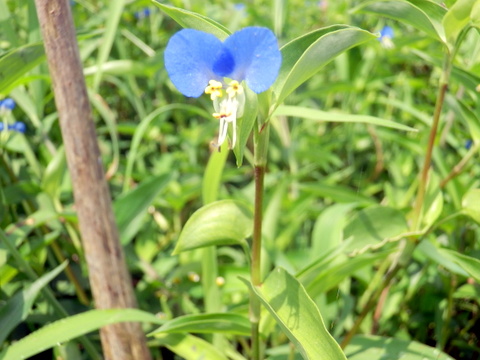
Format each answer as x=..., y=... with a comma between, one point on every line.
x=17, y=126
x=7, y=104
x=197, y=62
x=386, y=36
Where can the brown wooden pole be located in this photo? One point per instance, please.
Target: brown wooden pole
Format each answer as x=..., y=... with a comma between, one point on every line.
x=109, y=277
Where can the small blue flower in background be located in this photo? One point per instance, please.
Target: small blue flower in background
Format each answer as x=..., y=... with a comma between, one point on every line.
x=7, y=104
x=197, y=62
x=239, y=6
x=468, y=144
x=386, y=36
x=142, y=14
x=18, y=127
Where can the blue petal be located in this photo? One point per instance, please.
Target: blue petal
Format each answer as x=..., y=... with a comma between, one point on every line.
x=257, y=57
x=189, y=59
x=224, y=63
x=7, y=103
x=386, y=31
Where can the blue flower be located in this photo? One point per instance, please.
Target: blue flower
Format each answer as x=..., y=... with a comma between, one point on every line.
x=7, y=104
x=468, y=144
x=144, y=13
x=17, y=126
x=198, y=62
x=386, y=36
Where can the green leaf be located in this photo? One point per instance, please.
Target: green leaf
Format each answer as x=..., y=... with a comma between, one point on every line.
x=471, y=204
x=326, y=278
x=306, y=55
x=225, y=222
x=191, y=20
x=369, y=347
x=328, y=230
x=72, y=327
x=433, y=203
x=18, y=307
x=470, y=264
x=421, y=14
x=213, y=174
x=246, y=124
x=225, y=323
x=190, y=347
x=324, y=116
x=457, y=18
x=130, y=208
x=338, y=193
x=475, y=14
x=17, y=62
x=296, y=313
x=54, y=174
x=433, y=253
x=142, y=128
x=374, y=225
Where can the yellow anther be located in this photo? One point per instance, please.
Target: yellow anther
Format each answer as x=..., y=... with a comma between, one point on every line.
x=234, y=89
x=214, y=89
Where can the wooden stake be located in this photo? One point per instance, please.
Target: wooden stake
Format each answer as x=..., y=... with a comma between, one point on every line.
x=109, y=277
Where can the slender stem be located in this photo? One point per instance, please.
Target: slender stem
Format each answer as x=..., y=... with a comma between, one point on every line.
x=405, y=254
x=256, y=260
x=257, y=226
x=422, y=186
x=457, y=169
x=261, y=135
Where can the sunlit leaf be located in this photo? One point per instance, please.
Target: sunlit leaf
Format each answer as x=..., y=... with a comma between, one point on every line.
x=225, y=323
x=471, y=204
x=297, y=315
x=72, y=327
x=423, y=15
x=307, y=54
x=17, y=308
x=324, y=116
x=225, y=222
x=191, y=20
x=363, y=347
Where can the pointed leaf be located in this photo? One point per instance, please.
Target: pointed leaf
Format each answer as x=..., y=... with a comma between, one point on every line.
x=323, y=116
x=320, y=282
x=225, y=323
x=306, y=55
x=369, y=347
x=374, y=225
x=72, y=327
x=17, y=62
x=296, y=313
x=471, y=204
x=423, y=15
x=18, y=307
x=190, y=347
x=225, y=222
x=470, y=264
x=131, y=208
x=246, y=124
x=457, y=18
x=191, y=20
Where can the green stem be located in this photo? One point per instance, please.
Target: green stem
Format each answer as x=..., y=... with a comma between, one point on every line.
x=422, y=186
x=260, y=160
